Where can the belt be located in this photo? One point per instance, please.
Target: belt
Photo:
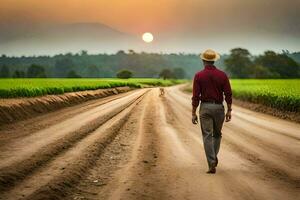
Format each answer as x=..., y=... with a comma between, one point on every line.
x=211, y=101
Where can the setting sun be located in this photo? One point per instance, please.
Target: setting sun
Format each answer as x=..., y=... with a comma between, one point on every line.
x=148, y=37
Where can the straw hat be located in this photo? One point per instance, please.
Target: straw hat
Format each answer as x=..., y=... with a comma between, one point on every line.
x=210, y=55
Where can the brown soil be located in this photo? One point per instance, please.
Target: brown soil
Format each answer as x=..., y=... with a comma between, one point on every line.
x=287, y=115
x=139, y=145
x=12, y=110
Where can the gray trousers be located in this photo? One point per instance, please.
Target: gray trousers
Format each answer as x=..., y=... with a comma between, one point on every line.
x=211, y=118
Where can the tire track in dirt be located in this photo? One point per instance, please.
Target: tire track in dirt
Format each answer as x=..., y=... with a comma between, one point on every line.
x=64, y=127
x=64, y=171
x=276, y=125
x=15, y=171
x=288, y=154
x=105, y=174
x=266, y=162
x=18, y=130
x=142, y=177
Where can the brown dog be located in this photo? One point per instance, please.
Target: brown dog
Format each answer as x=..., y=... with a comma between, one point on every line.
x=162, y=91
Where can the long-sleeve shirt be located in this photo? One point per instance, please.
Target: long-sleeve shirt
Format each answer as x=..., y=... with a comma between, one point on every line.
x=211, y=84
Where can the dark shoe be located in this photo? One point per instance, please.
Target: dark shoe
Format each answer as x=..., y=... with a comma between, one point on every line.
x=212, y=169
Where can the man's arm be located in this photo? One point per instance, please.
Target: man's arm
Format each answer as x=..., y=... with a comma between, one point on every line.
x=194, y=110
x=195, y=99
x=228, y=99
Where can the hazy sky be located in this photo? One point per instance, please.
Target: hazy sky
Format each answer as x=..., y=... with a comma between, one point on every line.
x=186, y=25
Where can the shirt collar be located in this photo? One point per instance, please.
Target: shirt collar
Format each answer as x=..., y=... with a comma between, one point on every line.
x=210, y=67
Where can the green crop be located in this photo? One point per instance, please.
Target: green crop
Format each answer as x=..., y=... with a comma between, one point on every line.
x=37, y=87
x=282, y=94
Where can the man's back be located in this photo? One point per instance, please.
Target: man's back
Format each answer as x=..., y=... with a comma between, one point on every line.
x=209, y=86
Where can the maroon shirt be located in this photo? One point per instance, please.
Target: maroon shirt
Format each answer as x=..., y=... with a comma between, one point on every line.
x=209, y=85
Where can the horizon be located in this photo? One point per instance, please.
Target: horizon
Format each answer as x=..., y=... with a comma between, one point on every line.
x=140, y=52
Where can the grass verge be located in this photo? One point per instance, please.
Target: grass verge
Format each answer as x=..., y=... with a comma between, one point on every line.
x=29, y=87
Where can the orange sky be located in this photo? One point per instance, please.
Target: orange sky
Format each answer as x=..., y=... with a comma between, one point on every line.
x=226, y=23
x=136, y=16
x=129, y=15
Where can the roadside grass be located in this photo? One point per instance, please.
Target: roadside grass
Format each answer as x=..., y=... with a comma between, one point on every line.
x=30, y=87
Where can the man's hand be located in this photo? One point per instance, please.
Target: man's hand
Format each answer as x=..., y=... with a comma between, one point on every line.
x=228, y=116
x=194, y=119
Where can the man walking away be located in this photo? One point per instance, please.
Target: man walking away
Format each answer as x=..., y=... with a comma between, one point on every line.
x=209, y=86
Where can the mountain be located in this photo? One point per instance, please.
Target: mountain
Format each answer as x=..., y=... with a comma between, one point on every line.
x=49, y=39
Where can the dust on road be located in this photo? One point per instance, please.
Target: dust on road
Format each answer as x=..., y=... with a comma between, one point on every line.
x=141, y=145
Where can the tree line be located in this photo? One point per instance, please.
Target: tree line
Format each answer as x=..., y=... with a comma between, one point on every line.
x=37, y=71
x=82, y=64
x=239, y=64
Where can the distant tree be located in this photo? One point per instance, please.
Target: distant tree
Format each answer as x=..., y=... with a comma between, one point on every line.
x=69, y=55
x=179, y=73
x=92, y=72
x=280, y=65
x=131, y=51
x=73, y=74
x=84, y=53
x=62, y=67
x=239, y=63
x=258, y=71
x=36, y=71
x=124, y=74
x=4, y=72
x=121, y=52
x=166, y=74
x=19, y=74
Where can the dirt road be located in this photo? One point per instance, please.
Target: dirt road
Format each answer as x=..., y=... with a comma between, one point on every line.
x=141, y=146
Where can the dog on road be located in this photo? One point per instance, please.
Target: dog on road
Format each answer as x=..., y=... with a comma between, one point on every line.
x=162, y=91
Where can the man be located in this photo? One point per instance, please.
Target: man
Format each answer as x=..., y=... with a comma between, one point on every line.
x=209, y=86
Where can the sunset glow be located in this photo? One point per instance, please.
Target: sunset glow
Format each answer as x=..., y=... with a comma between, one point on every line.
x=46, y=27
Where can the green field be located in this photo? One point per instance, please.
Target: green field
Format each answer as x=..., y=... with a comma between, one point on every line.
x=37, y=87
x=283, y=94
